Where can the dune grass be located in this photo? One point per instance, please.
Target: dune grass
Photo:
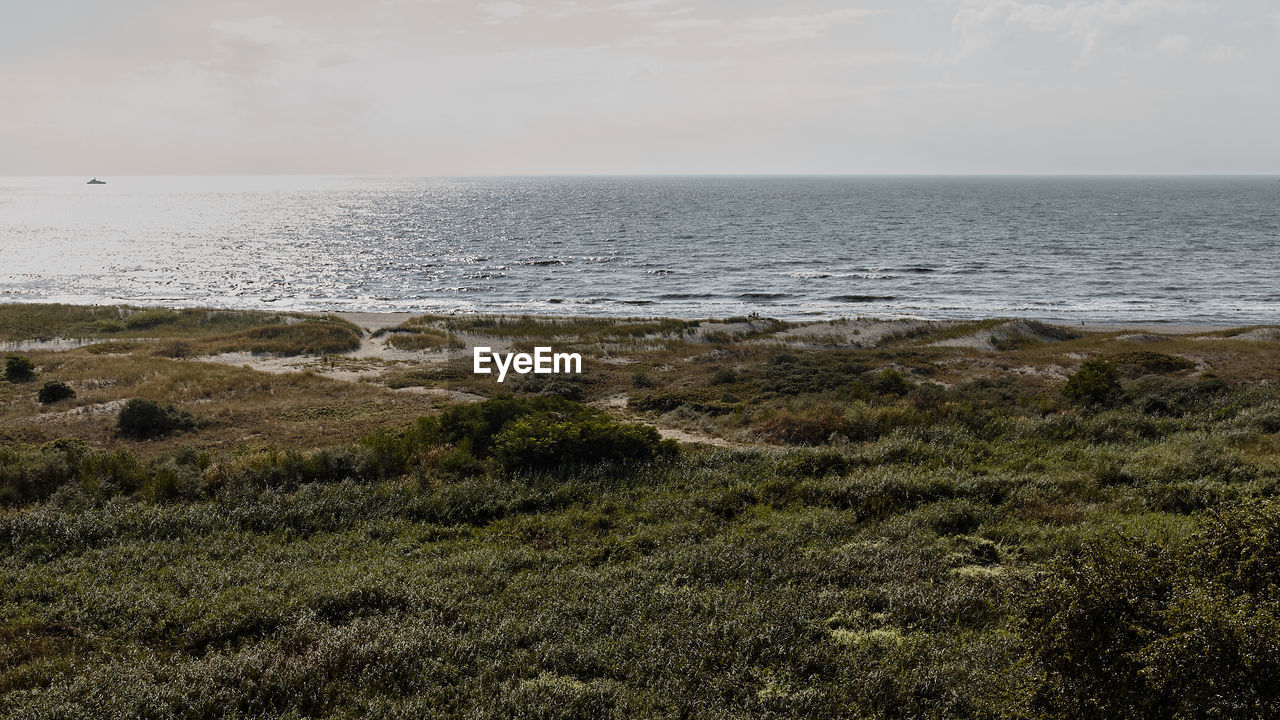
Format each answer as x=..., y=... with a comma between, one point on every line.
x=188, y=331
x=896, y=577
x=906, y=531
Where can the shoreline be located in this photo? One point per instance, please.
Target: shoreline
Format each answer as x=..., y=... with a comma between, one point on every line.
x=380, y=319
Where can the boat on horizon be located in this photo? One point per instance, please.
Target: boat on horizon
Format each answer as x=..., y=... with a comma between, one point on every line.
x=96, y=181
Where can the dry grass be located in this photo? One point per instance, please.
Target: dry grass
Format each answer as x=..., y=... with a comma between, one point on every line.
x=696, y=363
x=182, y=333
x=423, y=338
x=298, y=410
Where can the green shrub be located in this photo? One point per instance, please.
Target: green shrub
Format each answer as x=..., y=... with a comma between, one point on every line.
x=713, y=401
x=953, y=517
x=474, y=426
x=458, y=462
x=889, y=382
x=19, y=369
x=801, y=429
x=142, y=419
x=1089, y=624
x=788, y=375
x=567, y=387
x=724, y=376
x=54, y=391
x=866, y=422
x=1148, y=362
x=541, y=442
x=1158, y=628
x=1095, y=383
x=31, y=476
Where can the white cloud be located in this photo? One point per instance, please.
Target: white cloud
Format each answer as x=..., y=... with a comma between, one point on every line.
x=648, y=86
x=1084, y=21
x=688, y=24
x=500, y=11
x=267, y=30
x=1224, y=53
x=649, y=8
x=1173, y=44
x=785, y=28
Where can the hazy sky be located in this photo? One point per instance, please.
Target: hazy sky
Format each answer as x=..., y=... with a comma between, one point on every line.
x=443, y=87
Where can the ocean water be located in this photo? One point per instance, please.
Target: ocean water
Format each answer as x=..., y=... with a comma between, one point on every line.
x=1064, y=249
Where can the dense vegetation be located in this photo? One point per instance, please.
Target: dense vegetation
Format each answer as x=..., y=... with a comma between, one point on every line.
x=909, y=542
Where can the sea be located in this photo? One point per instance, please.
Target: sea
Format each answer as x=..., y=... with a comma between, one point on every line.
x=1063, y=249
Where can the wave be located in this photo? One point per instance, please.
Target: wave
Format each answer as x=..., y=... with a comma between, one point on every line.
x=861, y=298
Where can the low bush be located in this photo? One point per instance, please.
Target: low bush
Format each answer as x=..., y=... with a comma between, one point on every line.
x=889, y=382
x=54, y=391
x=144, y=419
x=788, y=375
x=19, y=369
x=543, y=432
x=567, y=387
x=709, y=400
x=724, y=376
x=1146, y=362
x=543, y=442
x=802, y=429
x=1094, y=383
x=1154, y=627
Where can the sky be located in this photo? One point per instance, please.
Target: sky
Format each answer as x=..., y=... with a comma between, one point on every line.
x=445, y=87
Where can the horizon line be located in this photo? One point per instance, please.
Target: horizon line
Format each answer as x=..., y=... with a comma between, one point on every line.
x=675, y=175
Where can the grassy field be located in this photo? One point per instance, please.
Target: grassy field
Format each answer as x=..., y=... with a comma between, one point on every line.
x=938, y=520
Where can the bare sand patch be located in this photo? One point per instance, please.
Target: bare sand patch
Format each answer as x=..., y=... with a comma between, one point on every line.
x=1013, y=331
x=685, y=436
x=104, y=408
x=860, y=333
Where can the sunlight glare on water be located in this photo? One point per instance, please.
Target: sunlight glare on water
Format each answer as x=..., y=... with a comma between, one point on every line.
x=1095, y=249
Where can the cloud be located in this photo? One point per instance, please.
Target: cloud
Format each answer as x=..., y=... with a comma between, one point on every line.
x=499, y=11
x=649, y=8
x=1087, y=22
x=645, y=85
x=1224, y=53
x=785, y=28
x=1173, y=44
x=688, y=24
